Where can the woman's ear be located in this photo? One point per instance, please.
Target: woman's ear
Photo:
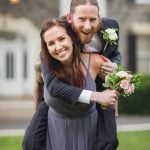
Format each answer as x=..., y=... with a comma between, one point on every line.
x=69, y=18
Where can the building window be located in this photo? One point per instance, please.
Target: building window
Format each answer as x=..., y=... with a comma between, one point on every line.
x=142, y=1
x=131, y=62
x=25, y=70
x=10, y=65
x=143, y=54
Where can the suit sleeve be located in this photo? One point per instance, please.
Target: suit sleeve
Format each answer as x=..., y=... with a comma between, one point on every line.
x=56, y=87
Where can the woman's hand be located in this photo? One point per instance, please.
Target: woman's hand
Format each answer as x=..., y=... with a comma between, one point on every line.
x=105, y=98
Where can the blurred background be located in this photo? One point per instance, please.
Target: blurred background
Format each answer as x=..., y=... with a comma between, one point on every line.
x=20, y=23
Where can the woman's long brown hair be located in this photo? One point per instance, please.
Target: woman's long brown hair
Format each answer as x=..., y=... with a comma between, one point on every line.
x=38, y=88
x=75, y=76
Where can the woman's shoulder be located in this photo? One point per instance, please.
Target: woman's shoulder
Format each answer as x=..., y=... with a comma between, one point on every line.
x=95, y=62
x=96, y=58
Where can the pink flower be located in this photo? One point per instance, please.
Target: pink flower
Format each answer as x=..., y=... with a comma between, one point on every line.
x=124, y=84
x=130, y=89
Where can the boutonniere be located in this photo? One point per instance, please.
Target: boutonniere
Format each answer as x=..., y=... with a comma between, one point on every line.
x=110, y=36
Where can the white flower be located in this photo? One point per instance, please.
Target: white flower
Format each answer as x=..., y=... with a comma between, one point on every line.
x=122, y=74
x=111, y=34
x=110, y=31
x=113, y=37
x=130, y=76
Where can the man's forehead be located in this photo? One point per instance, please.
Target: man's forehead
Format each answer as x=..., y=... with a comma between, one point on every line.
x=86, y=9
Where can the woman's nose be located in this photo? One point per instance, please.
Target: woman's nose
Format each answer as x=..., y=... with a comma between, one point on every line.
x=58, y=47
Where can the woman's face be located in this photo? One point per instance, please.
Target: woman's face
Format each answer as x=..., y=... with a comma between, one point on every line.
x=59, y=44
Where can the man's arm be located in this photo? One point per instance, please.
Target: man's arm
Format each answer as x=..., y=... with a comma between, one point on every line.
x=112, y=52
x=115, y=55
x=58, y=88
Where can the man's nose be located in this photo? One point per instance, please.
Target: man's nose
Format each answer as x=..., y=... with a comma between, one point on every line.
x=87, y=25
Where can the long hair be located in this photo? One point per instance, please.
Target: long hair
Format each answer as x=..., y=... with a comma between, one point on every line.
x=75, y=3
x=75, y=76
x=38, y=89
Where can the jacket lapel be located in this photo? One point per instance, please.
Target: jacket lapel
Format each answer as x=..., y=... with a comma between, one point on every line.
x=107, y=51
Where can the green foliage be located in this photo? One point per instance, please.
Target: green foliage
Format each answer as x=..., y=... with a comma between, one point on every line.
x=136, y=80
x=139, y=102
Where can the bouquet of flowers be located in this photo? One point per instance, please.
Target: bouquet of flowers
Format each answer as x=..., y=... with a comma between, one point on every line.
x=122, y=81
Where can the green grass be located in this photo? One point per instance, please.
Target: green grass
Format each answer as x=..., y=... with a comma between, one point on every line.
x=10, y=143
x=139, y=140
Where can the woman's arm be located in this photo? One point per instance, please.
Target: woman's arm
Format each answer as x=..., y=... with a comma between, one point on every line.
x=105, y=98
x=56, y=87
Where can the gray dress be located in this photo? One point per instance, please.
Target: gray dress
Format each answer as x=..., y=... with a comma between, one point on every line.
x=71, y=126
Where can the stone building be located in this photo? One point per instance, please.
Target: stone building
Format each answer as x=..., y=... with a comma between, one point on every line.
x=20, y=22
x=134, y=20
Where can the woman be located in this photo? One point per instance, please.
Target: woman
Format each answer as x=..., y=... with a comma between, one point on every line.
x=71, y=124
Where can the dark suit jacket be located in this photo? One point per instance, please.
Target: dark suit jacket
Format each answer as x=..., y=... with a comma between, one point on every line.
x=60, y=89
x=111, y=51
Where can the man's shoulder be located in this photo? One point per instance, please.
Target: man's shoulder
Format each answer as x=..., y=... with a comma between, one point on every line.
x=109, y=21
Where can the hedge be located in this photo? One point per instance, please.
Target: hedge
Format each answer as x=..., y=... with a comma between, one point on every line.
x=139, y=102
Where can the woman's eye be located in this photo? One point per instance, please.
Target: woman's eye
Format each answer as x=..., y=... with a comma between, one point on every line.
x=50, y=44
x=61, y=39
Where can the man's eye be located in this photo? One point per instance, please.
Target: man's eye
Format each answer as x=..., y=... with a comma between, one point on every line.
x=93, y=19
x=81, y=19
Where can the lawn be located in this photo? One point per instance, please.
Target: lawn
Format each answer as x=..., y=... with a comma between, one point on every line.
x=10, y=143
x=139, y=140
x=134, y=140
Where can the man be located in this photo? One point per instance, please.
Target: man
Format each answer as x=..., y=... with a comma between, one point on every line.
x=84, y=19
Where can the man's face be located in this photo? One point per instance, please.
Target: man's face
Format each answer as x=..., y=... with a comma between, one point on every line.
x=84, y=21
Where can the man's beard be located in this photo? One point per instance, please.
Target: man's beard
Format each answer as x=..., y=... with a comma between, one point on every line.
x=85, y=39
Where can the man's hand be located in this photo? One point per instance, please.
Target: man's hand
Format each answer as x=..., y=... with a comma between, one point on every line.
x=107, y=67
